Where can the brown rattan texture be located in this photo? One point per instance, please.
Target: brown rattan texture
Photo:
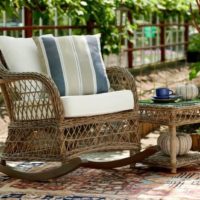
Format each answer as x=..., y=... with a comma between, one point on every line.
x=161, y=160
x=172, y=115
x=185, y=112
x=38, y=129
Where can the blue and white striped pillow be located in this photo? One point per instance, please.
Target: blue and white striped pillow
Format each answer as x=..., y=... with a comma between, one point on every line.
x=75, y=63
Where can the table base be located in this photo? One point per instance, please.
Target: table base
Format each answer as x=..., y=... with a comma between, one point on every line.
x=161, y=160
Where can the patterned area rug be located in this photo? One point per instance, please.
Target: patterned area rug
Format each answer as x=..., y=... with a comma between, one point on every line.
x=91, y=184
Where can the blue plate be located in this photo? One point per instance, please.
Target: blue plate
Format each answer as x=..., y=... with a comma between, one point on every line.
x=167, y=97
x=161, y=97
x=171, y=98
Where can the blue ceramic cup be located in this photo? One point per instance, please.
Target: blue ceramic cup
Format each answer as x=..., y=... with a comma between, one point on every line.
x=163, y=92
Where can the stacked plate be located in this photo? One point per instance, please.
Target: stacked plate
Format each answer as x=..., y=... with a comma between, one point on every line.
x=163, y=99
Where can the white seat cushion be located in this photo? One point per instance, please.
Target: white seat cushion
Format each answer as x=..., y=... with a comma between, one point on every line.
x=97, y=104
x=78, y=106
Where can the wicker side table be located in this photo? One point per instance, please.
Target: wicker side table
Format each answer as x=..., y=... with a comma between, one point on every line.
x=172, y=115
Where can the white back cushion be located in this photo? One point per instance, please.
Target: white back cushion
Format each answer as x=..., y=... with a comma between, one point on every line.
x=21, y=54
x=75, y=63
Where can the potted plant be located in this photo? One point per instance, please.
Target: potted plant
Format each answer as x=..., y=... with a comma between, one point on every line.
x=194, y=131
x=196, y=140
x=193, y=51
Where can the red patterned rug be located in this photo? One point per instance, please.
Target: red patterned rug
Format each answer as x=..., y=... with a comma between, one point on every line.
x=91, y=184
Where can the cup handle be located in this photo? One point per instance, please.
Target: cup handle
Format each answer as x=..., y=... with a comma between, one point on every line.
x=171, y=92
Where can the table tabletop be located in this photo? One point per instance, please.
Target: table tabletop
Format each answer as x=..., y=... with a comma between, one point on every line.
x=176, y=104
x=177, y=113
x=173, y=115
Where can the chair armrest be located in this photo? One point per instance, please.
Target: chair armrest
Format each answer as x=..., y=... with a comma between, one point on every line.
x=120, y=79
x=30, y=96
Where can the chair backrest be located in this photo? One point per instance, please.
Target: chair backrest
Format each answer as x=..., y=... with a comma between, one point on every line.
x=74, y=63
x=80, y=69
x=29, y=96
x=20, y=54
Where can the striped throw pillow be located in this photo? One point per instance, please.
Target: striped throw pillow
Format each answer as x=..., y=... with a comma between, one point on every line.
x=75, y=63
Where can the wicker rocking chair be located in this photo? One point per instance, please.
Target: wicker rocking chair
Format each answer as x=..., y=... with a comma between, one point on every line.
x=40, y=131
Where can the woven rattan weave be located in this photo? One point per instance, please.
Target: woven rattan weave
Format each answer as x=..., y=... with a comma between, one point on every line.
x=172, y=115
x=39, y=131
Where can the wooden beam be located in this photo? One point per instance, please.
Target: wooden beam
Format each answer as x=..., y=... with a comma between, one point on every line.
x=162, y=41
x=28, y=21
x=130, y=44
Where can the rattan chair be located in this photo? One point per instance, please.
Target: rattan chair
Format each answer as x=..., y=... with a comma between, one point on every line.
x=38, y=130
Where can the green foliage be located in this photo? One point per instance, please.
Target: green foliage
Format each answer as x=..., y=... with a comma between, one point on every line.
x=44, y=7
x=165, y=8
x=100, y=13
x=194, y=70
x=194, y=46
x=194, y=43
x=81, y=7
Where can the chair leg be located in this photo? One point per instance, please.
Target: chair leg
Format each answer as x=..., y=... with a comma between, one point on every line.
x=3, y=162
x=74, y=164
x=42, y=176
x=132, y=165
x=138, y=157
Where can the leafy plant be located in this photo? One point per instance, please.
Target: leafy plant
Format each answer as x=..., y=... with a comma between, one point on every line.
x=100, y=13
x=198, y=131
x=194, y=70
x=194, y=43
